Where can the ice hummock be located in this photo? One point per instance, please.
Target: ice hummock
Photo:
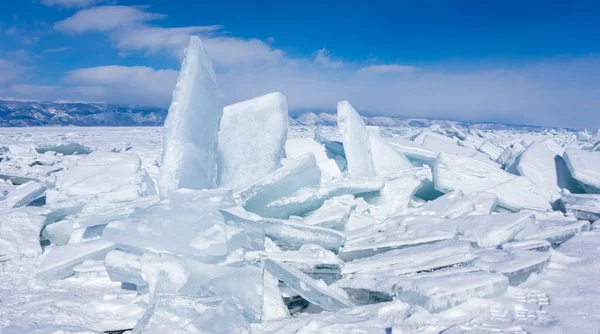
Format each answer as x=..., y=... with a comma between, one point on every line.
x=309, y=199
x=296, y=174
x=516, y=265
x=23, y=195
x=582, y=206
x=440, y=290
x=584, y=168
x=546, y=169
x=190, y=133
x=101, y=177
x=251, y=140
x=493, y=230
x=20, y=233
x=357, y=146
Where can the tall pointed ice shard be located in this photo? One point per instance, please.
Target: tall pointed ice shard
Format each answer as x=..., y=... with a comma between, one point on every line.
x=191, y=128
x=356, y=141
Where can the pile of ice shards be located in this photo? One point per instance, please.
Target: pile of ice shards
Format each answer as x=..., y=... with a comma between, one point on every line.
x=353, y=228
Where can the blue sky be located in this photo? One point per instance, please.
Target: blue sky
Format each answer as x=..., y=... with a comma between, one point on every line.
x=528, y=62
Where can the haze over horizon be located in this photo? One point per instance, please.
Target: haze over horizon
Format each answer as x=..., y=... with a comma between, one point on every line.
x=505, y=62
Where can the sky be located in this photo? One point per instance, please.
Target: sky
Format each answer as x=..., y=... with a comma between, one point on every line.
x=519, y=62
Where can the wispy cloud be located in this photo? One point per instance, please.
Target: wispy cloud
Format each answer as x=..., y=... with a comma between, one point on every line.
x=10, y=72
x=387, y=69
x=56, y=50
x=323, y=57
x=105, y=18
x=70, y=3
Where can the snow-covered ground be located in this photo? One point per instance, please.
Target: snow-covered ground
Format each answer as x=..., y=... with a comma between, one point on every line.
x=391, y=252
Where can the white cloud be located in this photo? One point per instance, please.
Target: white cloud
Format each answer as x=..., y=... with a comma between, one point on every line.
x=122, y=84
x=323, y=58
x=10, y=72
x=105, y=18
x=70, y=3
x=56, y=50
x=386, y=69
x=129, y=32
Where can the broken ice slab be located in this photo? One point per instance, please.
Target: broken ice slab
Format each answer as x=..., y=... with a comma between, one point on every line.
x=584, y=168
x=296, y=174
x=521, y=193
x=440, y=290
x=455, y=204
x=386, y=160
x=539, y=245
x=245, y=285
x=244, y=229
x=61, y=260
x=89, y=269
x=582, y=206
x=23, y=195
x=490, y=149
x=69, y=148
x=316, y=292
x=368, y=288
x=273, y=306
x=357, y=147
x=378, y=318
x=417, y=154
x=493, y=230
x=20, y=233
x=190, y=132
x=252, y=139
x=332, y=140
x=397, y=232
x=554, y=231
x=59, y=232
x=198, y=231
x=312, y=260
x=457, y=172
x=291, y=236
x=394, y=197
x=451, y=147
x=331, y=166
x=87, y=233
x=451, y=205
x=97, y=214
x=124, y=267
x=334, y=213
x=309, y=199
x=517, y=265
x=181, y=314
x=414, y=259
x=545, y=169
x=189, y=198
x=102, y=177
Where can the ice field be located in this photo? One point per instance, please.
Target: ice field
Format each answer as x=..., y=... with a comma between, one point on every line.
x=228, y=220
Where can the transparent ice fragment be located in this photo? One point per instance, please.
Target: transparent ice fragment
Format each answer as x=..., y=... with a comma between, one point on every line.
x=291, y=236
x=296, y=174
x=316, y=292
x=192, y=124
x=61, y=260
x=356, y=142
x=251, y=140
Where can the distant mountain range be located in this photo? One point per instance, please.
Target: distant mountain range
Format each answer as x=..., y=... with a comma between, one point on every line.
x=20, y=113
